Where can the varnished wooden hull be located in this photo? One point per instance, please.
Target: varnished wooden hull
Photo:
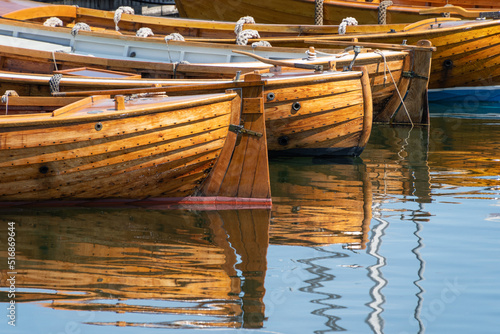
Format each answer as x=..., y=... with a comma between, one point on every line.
x=386, y=98
x=303, y=11
x=466, y=51
x=95, y=149
x=305, y=113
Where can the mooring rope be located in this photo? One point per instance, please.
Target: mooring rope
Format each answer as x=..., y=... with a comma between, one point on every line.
x=118, y=14
x=318, y=12
x=394, y=82
x=54, y=59
x=348, y=21
x=382, y=11
x=243, y=36
x=239, y=24
x=54, y=82
x=80, y=26
x=144, y=32
x=53, y=22
x=5, y=98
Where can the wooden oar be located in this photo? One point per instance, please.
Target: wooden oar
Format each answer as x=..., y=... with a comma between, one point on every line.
x=317, y=68
x=160, y=89
x=373, y=45
x=462, y=12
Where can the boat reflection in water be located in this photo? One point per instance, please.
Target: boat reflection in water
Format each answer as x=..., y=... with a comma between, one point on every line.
x=320, y=202
x=207, y=269
x=206, y=266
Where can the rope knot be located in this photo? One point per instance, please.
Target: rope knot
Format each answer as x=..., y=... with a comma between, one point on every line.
x=53, y=22
x=239, y=24
x=118, y=14
x=80, y=26
x=174, y=37
x=245, y=35
x=348, y=21
x=265, y=44
x=144, y=32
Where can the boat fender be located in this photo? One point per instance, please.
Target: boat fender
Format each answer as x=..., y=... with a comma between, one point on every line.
x=54, y=83
x=79, y=26
x=118, y=14
x=144, y=32
x=382, y=11
x=243, y=36
x=348, y=21
x=239, y=24
x=53, y=22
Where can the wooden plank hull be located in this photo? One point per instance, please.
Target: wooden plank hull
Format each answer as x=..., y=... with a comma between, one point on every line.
x=303, y=11
x=305, y=113
x=466, y=52
x=153, y=58
x=97, y=148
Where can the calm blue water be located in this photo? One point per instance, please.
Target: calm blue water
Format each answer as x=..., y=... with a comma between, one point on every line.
x=405, y=239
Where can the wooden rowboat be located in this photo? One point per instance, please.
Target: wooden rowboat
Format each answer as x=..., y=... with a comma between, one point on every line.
x=333, y=11
x=38, y=52
x=306, y=113
x=465, y=50
x=171, y=149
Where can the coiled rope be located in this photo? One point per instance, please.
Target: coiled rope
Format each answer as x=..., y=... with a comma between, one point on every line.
x=54, y=82
x=348, y=21
x=53, y=22
x=265, y=44
x=80, y=26
x=172, y=37
x=382, y=11
x=243, y=36
x=239, y=24
x=5, y=99
x=144, y=32
x=118, y=14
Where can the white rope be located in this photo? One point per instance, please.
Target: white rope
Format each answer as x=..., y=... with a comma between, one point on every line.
x=53, y=22
x=243, y=36
x=5, y=98
x=239, y=24
x=54, y=59
x=174, y=37
x=118, y=14
x=348, y=21
x=393, y=81
x=79, y=26
x=261, y=43
x=144, y=32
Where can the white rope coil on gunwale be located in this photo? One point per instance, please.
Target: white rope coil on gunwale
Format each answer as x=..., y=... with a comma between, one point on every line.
x=53, y=22
x=118, y=14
